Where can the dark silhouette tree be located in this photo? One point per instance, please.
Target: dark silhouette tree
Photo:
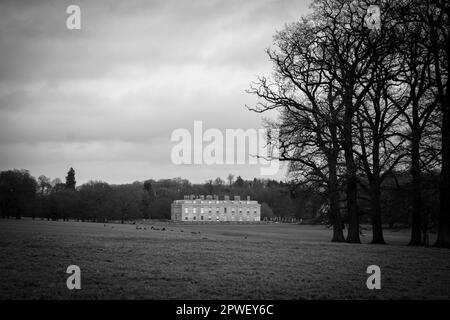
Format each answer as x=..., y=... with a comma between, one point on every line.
x=310, y=112
x=17, y=193
x=44, y=184
x=209, y=184
x=230, y=179
x=128, y=197
x=378, y=147
x=239, y=182
x=419, y=106
x=98, y=201
x=148, y=197
x=436, y=18
x=70, y=180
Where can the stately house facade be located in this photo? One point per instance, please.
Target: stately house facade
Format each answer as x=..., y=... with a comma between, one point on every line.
x=209, y=208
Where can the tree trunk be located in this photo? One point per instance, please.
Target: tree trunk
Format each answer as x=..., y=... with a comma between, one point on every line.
x=425, y=238
x=338, y=234
x=375, y=191
x=333, y=198
x=351, y=187
x=443, y=239
x=377, y=227
x=416, y=230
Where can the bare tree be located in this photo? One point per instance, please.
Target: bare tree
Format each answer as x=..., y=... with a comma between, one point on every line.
x=379, y=148
x=230, y=179
x=372, y=98
x=351, y=56
x=419, y=105
x=309, y=112
x=436, y=18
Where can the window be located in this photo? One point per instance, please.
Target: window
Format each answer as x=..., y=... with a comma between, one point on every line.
x=185, y=218
x=194, y=210
x=201, y=218
x=209, y=210
x=195, y=218
x=209, y=218
x=255, y=210
x=248, y=210
x=186, y=210
x=232, y=210
x=201, y=210
x=224, y=210
x=240, y=210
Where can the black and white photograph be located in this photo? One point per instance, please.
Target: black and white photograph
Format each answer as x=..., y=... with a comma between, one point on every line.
x=224, y=154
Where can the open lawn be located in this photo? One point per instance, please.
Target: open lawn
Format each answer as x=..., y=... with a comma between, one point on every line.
x=262, y=261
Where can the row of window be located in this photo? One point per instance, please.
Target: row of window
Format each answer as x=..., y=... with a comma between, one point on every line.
x=202, y=218
x=202, y=210
x=217, y=201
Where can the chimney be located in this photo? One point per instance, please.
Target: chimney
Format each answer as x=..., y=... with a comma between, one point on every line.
x=237, y=198
x=226, y=198
x=248, y=198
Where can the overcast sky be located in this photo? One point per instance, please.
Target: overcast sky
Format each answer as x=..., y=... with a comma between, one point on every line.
x=105, y=99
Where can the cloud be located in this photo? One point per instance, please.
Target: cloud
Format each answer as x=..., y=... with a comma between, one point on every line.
x=110, y=94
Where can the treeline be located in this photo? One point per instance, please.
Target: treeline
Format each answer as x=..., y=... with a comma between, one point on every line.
x=23, y=195
x=363, y=97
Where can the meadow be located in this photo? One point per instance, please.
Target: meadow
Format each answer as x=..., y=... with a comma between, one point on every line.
x=164, y=260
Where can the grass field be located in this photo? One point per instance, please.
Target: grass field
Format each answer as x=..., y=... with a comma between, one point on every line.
x=266, y=261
